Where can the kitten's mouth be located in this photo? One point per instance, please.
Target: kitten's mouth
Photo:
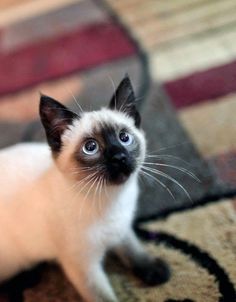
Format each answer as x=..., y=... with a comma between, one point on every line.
x=119, y=167
x=119, y=176
x=120, y=179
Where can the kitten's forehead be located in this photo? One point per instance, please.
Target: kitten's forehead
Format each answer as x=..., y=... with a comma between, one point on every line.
x=104, y=117
x=96, y=121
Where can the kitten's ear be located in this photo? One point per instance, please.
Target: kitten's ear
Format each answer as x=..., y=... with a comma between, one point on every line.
x=124, y=100
x=55, y=118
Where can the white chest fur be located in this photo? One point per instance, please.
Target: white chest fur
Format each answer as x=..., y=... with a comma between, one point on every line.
x=110, y=229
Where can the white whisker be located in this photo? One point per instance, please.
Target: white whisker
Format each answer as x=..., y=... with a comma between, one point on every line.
x=175, y=167
x=159, y=182
x=95, y=192
x=155, y=171
x=171, y=147
x=93, y=180
x=114, y=88
x=160, y=156
x=99, y=196
x=74, y=98
x=76, y=184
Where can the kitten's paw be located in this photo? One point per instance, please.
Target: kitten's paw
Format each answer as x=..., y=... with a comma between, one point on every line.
x=153, y=272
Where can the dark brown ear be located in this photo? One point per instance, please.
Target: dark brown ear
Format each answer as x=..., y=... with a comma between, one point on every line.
x=55, y=118
x=124, y=100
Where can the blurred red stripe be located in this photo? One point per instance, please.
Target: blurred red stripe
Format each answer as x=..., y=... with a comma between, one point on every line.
x=202, y=86
x=79, y=50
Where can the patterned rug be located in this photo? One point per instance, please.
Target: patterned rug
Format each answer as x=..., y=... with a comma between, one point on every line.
x=181, y=58
x=199, y=244
x=200, y=247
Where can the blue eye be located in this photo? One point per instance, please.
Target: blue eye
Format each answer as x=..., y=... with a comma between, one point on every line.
x=90, y=147
x=125, y=138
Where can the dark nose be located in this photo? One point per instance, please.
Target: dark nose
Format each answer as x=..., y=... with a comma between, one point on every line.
x=119, y=158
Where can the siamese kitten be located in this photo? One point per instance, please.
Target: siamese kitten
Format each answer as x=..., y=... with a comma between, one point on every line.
x=74, y=203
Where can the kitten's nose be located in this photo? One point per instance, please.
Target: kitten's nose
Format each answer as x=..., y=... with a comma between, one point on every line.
x=119, y=158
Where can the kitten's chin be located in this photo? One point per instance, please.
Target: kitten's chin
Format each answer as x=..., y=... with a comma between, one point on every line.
x=121, y=176
x=118, y=179
x=121, y=179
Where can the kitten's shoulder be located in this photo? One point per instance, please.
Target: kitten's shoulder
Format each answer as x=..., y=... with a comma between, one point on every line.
x=24, y=153
x=24, y=146
x=23, y=163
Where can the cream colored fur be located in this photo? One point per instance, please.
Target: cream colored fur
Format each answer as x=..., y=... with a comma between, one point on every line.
x=44, y=215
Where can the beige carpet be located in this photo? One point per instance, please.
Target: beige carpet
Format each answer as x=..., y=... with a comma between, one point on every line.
x=200, y=246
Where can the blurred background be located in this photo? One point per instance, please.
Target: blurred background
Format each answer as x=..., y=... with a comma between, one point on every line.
x=180, y=55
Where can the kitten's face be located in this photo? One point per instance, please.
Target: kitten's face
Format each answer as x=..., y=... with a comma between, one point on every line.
x=105, y=145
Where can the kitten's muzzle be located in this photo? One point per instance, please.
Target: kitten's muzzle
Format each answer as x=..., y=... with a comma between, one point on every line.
x=120, y=167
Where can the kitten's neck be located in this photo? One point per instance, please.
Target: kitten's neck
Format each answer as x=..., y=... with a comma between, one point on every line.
x=72, y=196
